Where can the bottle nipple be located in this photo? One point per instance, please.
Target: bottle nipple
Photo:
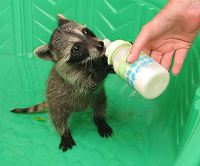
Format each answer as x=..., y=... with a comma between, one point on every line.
x=106, y=42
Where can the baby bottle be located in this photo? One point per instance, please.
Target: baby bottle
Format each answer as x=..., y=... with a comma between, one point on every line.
x=147, y=76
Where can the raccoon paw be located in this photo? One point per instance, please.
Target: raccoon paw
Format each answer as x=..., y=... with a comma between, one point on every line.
x=66, y=143
x=105, y=130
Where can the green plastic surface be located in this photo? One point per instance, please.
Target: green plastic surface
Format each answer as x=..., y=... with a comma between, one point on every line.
x=160, y=132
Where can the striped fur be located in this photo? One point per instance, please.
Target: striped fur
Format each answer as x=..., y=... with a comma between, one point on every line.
x=36, y=108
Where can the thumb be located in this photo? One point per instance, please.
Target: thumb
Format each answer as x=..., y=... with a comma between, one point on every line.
x=139, y=43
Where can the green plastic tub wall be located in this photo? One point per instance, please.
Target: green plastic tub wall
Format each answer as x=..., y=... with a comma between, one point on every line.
x=160, y=132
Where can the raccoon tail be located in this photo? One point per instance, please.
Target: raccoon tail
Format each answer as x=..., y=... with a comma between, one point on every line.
x=37, y=108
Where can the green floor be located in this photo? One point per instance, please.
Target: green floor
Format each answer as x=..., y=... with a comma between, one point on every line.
x=138, y=137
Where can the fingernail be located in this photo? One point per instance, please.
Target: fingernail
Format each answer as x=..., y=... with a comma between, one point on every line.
x=129, y=59
x=175, y=74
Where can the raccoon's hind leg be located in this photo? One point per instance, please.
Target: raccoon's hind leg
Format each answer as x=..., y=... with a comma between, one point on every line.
x=99, y=107
x=59, y=119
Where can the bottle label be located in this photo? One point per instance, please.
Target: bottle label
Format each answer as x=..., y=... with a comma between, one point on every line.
x=132, y=71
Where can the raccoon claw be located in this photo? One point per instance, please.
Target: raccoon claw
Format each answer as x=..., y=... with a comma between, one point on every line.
x=66, y=143
x=105, y=130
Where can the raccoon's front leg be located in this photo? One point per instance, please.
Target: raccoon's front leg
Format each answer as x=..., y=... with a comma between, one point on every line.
x=59, y=119
x=99, y=107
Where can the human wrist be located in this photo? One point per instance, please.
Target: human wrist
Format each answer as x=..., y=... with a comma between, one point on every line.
x=186, y=7
x=187, y=10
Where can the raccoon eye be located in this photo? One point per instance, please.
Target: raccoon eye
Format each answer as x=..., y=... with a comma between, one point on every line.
x=75, y=49
x=87, y=32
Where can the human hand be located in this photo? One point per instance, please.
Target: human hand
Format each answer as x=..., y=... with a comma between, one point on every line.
x=170, y=34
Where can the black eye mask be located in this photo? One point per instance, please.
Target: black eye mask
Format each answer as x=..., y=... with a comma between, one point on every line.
x=78, y=53
x=88, y=32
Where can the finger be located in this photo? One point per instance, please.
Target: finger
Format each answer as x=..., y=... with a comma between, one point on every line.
x=146, y=51
x=179, y=58
x=139, y=43
x=157, y=56
x=167, y=60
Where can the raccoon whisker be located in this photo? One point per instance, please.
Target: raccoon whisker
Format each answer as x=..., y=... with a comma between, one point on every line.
x=90, y=63
x=86, y=65
x=67, y=59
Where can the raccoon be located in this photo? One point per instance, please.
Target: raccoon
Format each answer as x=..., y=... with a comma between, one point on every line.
x=76, y=79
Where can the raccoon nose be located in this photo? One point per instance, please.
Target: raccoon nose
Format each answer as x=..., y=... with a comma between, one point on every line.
x=100, y=46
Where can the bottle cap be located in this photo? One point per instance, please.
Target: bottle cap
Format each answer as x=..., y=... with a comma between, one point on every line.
x=113, y=47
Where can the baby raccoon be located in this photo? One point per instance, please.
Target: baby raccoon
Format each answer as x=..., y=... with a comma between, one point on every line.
x=76, y=79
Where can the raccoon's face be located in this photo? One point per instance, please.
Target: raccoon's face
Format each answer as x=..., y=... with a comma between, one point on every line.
x=71, y=43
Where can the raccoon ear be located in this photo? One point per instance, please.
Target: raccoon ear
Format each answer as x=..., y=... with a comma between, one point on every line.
x=44, y=52
x=61, y=19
